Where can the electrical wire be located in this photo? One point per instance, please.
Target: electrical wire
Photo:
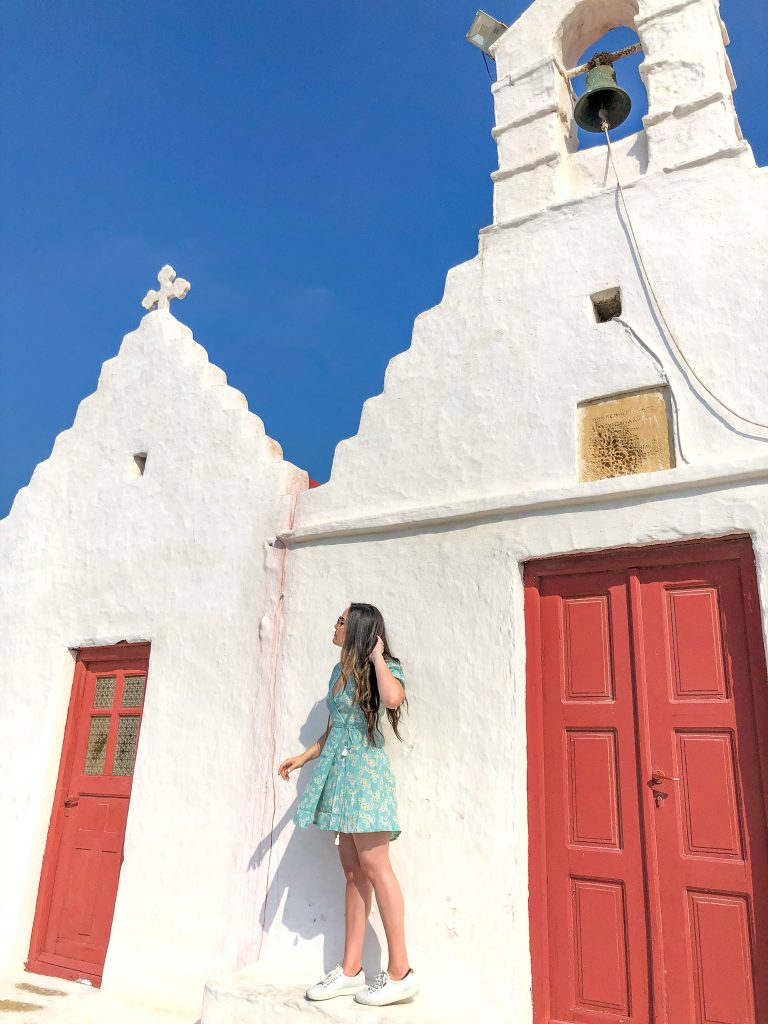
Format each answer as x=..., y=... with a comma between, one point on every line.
x=486, y=66
x=660, y=366
x=657, y=304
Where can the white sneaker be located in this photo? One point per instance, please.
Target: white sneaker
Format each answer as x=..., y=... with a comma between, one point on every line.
x=336, y=983
x=383, y=990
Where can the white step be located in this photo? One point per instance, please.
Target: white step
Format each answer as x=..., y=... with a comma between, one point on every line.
x=274, y=994
x=37, y=999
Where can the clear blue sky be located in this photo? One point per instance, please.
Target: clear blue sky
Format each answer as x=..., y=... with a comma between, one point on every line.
x=314, y=169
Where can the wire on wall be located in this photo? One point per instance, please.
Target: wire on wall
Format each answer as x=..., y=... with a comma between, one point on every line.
x=660, y=366
x=657, y=304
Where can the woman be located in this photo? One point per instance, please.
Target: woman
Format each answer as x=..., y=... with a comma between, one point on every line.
x=352, y=792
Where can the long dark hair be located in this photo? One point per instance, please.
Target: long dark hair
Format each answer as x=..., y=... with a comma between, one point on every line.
x=364, y=624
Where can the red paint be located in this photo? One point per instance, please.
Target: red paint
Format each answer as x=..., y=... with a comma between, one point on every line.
x=84, y=851
x=649, y=899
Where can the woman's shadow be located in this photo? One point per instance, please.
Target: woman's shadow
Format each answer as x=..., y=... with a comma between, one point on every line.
x=309, y=874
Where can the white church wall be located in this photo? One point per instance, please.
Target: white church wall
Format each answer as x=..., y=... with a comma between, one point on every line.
x=93, y=553
x=484, y=401
x=463, y=468
x=452, y=597
x=446, y=598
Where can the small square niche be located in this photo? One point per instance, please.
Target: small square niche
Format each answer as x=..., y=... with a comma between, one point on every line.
x=606, y=304
x=138, y=465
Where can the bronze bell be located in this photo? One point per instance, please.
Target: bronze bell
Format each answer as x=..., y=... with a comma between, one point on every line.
x=603, y=100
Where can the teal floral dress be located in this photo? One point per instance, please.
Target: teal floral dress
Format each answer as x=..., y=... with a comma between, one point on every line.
x=352, y=788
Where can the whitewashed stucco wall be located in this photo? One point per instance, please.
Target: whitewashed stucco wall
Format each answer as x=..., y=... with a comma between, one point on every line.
x=485, y=398
x=92, y=554
x=452, y=596
x=463, y=468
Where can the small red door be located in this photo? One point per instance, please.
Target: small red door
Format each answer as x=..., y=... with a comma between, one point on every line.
x=81, y=867
x=647, y=788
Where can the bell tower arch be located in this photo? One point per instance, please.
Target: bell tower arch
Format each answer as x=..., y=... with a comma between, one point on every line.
x=691, y=117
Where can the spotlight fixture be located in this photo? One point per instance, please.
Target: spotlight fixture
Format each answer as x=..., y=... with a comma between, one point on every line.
x=484, y=31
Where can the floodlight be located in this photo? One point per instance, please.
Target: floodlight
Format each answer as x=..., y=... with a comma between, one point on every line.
x=484, y=31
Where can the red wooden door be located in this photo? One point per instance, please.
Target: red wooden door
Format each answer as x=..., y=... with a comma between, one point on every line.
x=649, y=845
x=82, y=861
x=708, y=815
x=596, y=919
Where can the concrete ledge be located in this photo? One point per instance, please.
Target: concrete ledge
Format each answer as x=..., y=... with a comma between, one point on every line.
x=534, y=115
x=518, y=76
x=727, y=153
x=665, y=12
x=565, y=496
x=510, y=172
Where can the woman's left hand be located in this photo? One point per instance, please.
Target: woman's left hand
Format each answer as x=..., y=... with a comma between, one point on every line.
x=378, y=648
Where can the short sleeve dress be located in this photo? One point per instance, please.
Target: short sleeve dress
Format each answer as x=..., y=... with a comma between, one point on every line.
x=352, y=788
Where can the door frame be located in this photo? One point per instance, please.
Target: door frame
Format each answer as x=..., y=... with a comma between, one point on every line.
x=116, y=653
x=732, y=548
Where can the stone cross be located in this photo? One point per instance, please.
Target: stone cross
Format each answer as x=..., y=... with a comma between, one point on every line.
x=171, y=287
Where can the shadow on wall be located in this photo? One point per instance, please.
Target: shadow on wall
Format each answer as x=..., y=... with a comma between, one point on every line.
x=309, y=874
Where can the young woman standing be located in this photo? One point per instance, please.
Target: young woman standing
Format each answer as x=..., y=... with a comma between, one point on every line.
x=352, y=792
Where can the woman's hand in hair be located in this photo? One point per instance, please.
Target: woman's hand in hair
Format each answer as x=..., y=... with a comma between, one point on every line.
x=390, y=688
x=378, y=649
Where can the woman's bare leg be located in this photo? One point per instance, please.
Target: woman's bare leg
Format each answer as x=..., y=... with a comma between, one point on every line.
x=357, y=905
x=373, y=854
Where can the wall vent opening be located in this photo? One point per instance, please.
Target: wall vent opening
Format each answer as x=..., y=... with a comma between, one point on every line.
x=606, y=304
x=139, y=464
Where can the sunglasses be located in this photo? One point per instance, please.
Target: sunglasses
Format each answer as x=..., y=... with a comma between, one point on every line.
x=341, y=621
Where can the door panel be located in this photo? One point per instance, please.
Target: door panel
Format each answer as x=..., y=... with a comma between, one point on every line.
x=647, y=801
x=86, y=880
x=597, y=928
x=709, y=828
x=81, y=868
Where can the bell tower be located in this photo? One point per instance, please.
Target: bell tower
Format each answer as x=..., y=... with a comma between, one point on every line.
x=691, y=118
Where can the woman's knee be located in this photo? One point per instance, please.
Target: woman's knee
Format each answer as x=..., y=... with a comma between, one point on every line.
x=374, y=868
x=353, y=873
x=350, y=863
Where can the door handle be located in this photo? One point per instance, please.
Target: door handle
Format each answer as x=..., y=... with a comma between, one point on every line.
x=658, y=777
x=72, y=801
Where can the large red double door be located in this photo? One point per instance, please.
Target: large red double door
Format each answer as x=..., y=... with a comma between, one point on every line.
x=647, y=784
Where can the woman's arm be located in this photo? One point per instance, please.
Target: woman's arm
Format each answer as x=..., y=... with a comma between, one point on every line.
x=391, y=689
x=317, y=748
x=292, y=763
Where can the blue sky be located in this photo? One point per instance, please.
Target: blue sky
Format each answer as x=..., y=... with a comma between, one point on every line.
x=314, y=169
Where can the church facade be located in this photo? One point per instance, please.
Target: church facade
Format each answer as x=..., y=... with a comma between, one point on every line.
x=557, y=501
